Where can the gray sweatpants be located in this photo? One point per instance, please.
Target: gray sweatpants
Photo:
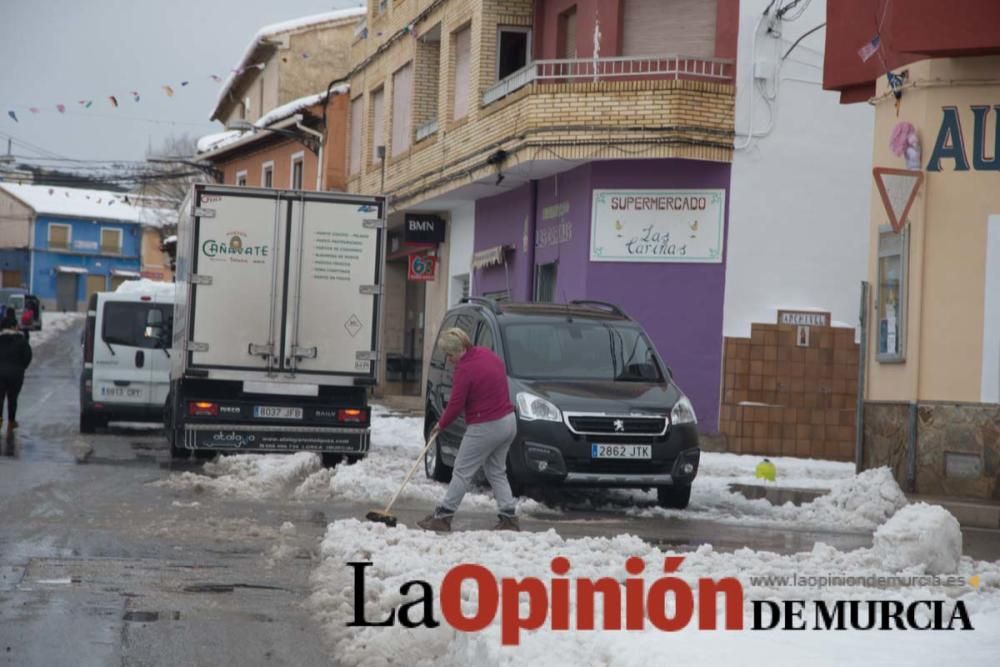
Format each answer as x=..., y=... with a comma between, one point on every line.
x=484, y=445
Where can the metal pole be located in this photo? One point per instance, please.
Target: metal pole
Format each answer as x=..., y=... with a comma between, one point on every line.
x=911, y=451
x=859, y=420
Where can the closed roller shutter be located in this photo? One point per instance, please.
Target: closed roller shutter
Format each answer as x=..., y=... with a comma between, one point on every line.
x=660, y=27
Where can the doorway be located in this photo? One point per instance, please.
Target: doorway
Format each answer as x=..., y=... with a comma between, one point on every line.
x=95, y=284
x=67, y=285
x=413, y=338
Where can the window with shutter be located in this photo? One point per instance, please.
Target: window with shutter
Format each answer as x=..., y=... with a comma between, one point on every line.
x=567, y=34
x=59, y=237
x=111, y=241
x=402, y=119
x=659, y=27
x=460, y=103
x=357, y=109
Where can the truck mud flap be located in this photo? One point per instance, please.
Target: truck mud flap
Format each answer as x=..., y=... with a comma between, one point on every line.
x=239, y=438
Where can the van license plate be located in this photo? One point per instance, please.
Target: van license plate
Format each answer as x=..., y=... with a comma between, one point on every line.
x=621, y=451
x=274, y=412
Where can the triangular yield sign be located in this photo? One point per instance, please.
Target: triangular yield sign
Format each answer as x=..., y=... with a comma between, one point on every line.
x=898, y=188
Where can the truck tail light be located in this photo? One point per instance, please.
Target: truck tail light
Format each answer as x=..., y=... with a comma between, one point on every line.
x=351, y=415
x=203, y=409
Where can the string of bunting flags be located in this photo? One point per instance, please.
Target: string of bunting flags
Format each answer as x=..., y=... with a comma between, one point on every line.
x=113, y=100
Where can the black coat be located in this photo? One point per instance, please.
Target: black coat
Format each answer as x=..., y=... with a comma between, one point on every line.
x=15, y=354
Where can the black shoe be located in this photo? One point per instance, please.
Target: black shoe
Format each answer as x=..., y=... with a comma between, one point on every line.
x=438, y=524
x=507, y=523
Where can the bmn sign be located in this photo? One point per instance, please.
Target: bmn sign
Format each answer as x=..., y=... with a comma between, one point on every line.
x=423, y=229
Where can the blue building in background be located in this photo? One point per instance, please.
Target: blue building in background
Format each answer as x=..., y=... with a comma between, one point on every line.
x=64, y=244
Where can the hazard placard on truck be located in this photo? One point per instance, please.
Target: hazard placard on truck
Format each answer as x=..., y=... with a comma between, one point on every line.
x=276, y=324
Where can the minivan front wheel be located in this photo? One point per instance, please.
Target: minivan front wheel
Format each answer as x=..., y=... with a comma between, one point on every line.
x=673, y=497
x=434, y=467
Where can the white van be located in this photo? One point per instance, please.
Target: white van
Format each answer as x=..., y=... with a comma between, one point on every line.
x=126, y=355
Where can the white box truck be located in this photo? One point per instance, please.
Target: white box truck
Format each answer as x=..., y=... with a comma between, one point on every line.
x=276, y=322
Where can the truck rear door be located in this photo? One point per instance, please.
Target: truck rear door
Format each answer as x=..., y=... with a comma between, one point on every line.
x=286, y=282
x=333, y=301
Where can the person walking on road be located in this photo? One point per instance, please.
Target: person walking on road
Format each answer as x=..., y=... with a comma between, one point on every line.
x=480, y=390
x=15, y=357
x=27, y=321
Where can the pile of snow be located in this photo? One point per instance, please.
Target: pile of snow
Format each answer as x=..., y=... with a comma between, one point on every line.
x=791, y=471
x=148, y=287
x=920, y=535
x=300, y=475
x=860, y=502
x=53, y=324
x=400, y=554
x=396, y=444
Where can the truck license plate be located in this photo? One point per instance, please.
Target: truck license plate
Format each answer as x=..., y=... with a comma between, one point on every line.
x=275, y=412
x=620, y=451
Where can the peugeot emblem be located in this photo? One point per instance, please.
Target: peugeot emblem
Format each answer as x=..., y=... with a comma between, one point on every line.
x=619, y=426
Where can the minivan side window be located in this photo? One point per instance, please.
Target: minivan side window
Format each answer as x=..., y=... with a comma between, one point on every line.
x=125, y=323
x=437, y=356
x=485, y=336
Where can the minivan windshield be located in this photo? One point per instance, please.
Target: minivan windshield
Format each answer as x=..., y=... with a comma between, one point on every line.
x=580, y=349
x=125, y=323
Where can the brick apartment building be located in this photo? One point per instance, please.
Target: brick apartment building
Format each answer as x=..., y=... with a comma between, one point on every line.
x=567, y=153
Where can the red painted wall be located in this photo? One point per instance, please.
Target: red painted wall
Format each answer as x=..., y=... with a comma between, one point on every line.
x=910, y=31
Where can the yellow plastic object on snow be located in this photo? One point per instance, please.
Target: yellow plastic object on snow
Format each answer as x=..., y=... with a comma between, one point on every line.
x=766, y=470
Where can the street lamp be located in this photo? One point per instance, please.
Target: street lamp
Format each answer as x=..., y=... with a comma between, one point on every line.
x=308, y=137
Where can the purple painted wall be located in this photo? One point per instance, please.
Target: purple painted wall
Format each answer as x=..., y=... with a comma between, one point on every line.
x=679, y=305
x=501, y=220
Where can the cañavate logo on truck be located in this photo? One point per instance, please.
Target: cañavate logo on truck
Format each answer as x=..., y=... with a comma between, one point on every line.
x=236, y=246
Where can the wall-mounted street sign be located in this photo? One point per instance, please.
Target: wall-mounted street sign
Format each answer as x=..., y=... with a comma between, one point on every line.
x=804, y=318
x=423, y=229
x=898, y=188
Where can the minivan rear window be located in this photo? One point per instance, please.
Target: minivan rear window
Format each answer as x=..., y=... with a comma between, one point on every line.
x=125, y=323
x=580, y=349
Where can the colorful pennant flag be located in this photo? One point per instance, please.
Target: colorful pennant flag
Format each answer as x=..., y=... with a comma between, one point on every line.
x=87, y=105
x=113, y=100
x=184, y=83
x=34, y=110
x=61, y=107
x=869, y=49
x=13, y=115
x=215, y=77
x=168, y=90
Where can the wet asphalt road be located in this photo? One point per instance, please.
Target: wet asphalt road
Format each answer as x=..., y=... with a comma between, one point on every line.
x=100, y=567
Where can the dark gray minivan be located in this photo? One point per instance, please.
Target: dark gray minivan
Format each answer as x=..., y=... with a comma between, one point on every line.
x=596, y=405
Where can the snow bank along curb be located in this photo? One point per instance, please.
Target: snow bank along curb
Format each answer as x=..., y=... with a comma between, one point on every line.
x=400, y=555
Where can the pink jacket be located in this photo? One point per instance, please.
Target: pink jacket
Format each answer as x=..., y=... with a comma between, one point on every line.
x=479, y=389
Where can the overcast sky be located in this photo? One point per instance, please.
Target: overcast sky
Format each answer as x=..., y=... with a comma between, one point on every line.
x=62, y=51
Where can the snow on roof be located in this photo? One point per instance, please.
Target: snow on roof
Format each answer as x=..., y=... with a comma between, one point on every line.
x=277, y=29
x=146, y=286
x=212, y=142
x=87, y=204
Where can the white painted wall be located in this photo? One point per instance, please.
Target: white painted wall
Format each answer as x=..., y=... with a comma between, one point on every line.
x=799, y=204
x=991, y=316
x=463, y=226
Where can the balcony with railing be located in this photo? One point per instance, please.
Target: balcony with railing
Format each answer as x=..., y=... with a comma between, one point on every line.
x=622, y=68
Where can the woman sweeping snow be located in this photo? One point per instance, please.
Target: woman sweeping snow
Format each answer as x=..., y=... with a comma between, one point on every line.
x=479, y=390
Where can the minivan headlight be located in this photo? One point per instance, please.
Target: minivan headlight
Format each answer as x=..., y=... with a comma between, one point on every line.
x=683, y=412
x=531, y=408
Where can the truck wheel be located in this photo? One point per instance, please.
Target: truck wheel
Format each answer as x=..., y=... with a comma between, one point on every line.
x=673, y=497
x=204, y=454
x=330, y=460
x=179, y=453
x=88, y=422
